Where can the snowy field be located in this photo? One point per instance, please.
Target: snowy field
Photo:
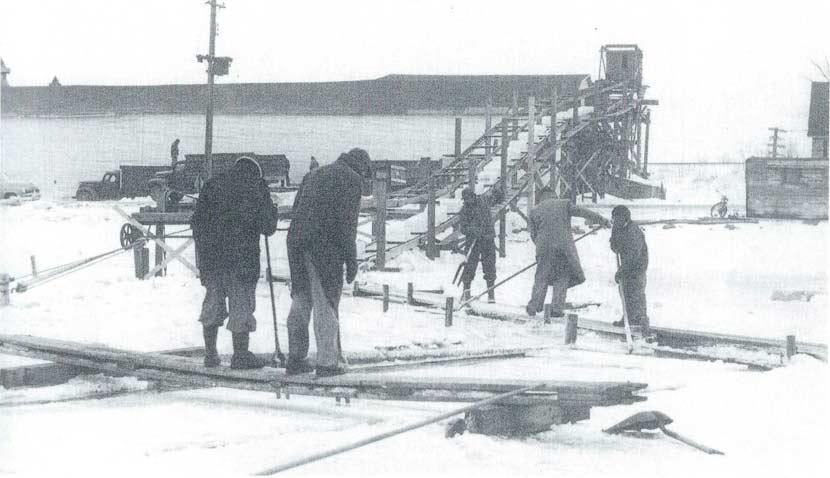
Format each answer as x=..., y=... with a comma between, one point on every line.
x=765, y=280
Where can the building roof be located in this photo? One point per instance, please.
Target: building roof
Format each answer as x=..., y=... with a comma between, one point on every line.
x=817, y=123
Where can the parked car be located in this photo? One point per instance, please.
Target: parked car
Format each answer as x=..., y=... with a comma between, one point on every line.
x=18, y=189
x=127, y=181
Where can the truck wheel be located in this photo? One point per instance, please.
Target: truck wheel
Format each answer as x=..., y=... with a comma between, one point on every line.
x=85, y=195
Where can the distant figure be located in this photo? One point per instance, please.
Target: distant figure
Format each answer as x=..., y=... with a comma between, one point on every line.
x=321, y=240
x=313, y=164
x=233, y=210
x=629, y=243
x=556, y=256
x=174, y=152
x=477, y=227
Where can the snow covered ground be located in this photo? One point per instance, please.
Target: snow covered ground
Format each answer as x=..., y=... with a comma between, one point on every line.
x=767, y=280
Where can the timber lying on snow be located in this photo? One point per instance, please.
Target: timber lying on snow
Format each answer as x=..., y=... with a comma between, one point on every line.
x=573, y=396
x=664, y=335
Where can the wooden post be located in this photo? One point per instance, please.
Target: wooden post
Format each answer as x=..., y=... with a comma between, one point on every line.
x=431, y=249
x=531, y=160
x=410, y=293
x=379, y=194
x=141, y=261
x=488, y=123
x=457, y=138
x=34, y=266
x=571, y=328
x=448, y=312
x=791, y=348
x=546, y=308
x=554, y=134
x=515, y=110
x=506, y=186
x=385, y=297
x=5, y=293
x=645, y=150
x=159, y=256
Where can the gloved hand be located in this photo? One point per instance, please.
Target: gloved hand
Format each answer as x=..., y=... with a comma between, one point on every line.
x=351, y=271
x=618, y=277
x=607, y=223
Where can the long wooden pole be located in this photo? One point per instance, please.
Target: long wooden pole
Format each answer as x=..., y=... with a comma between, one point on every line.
x=391, y=433
x=519, y=272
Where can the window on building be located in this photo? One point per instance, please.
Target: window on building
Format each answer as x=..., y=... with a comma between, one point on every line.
x=791, y=176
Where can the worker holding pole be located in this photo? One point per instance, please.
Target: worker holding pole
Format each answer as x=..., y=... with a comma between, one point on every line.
x=629, y=243
x=233, y=210
x=556, y=256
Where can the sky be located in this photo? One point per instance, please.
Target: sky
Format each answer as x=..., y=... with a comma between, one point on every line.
x=723, y=71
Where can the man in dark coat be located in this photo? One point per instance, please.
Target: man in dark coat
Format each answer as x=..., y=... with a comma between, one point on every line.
x=233, y=211
x=556, y=256
x=629, y=243
x=321, y=240
x=477, y=227
x=313, y=164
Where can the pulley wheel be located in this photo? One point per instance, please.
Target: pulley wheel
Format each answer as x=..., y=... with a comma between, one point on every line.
x=129, y=235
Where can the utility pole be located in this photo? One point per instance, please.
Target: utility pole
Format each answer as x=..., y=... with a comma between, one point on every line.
x=774, y=138
x=216, y=66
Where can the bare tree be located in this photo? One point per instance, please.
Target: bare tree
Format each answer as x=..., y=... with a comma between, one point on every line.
x=824, y=70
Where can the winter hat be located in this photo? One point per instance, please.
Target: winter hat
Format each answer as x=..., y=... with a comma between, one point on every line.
x=621, y=212
x=248, y=165
x=358, y=159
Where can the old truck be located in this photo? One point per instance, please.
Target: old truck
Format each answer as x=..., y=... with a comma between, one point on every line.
x=127, y=181
x=188, y=176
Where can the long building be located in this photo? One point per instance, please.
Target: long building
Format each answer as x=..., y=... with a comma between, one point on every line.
x=392, y=94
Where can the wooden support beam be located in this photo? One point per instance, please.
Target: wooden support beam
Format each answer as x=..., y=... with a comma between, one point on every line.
x=571, y=328
x=410, y=293
x=531, y=162
x=385, y=297
x=432, y=251
x=448, y=312
x=505, y=183
x=379, y=193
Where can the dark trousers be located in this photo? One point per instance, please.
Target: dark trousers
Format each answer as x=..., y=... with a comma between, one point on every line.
x=221, y=286
x=484, y=251
x=634, y=289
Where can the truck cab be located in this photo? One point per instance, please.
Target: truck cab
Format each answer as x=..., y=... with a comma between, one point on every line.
x=109, y=187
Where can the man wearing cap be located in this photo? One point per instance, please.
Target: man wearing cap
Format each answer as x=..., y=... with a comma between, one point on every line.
x=629, y=243
x=557, y=260
x=321, y=241
x=233, y=211
x=477, y=227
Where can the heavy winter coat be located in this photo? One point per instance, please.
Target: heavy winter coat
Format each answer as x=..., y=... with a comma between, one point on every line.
x=630, y=243
x=476, y=220
x=550, y=229
x=233, y=210
x=324, y=223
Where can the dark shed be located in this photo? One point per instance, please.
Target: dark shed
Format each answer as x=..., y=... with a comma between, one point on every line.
x=786, y=188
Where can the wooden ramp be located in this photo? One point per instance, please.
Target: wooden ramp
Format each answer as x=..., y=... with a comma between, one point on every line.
x=574, y=397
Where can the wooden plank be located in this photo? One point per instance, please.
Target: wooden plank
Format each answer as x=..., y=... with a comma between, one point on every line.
x=188, y=369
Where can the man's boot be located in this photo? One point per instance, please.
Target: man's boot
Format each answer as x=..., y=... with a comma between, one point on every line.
x=491, y=293
x=211, y=355
x=243, y=359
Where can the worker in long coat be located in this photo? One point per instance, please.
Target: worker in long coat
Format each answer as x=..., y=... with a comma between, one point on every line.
x=321, y=241
x=233, y=211
x=557, y=260
x=629, y=243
